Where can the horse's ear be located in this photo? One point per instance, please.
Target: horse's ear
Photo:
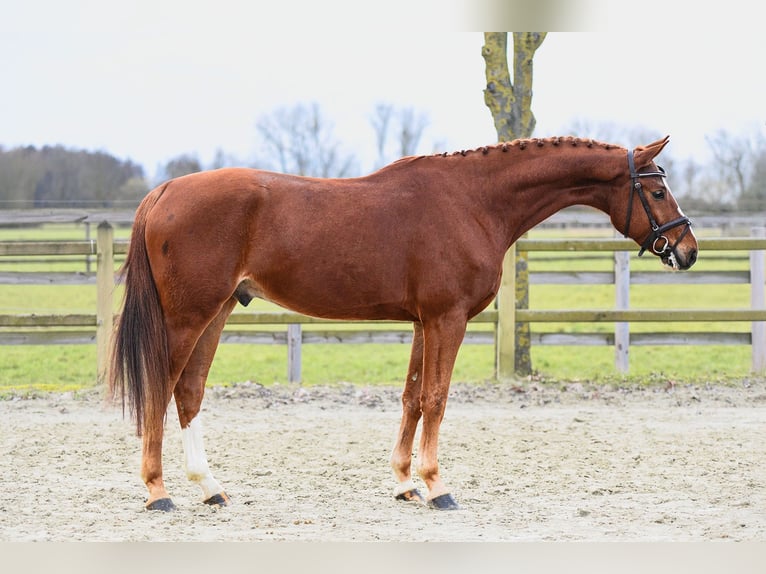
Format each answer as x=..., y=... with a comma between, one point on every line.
x=644, y=154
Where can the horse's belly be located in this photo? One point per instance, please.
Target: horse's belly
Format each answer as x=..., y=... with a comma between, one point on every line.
x=326, y=299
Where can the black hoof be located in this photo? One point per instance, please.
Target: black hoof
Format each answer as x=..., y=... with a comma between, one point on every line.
x=412, y=495
x=218, y=500
x=443, y=502
x=163, y=504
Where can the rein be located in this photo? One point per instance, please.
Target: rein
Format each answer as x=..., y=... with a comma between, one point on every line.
x=658, y=243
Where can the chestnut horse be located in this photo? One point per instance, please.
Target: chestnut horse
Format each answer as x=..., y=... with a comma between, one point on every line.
x=420, y=240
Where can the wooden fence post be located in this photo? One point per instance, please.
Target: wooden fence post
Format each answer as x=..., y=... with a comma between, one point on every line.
x=89, y=257
x=505, y=331
x=104, y=293
x=622, y=301
x=757, y=281
x=294, y=342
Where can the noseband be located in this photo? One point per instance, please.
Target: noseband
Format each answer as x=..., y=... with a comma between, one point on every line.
x=658, y=243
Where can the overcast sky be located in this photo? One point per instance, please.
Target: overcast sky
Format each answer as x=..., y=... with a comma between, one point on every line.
x=149, y=80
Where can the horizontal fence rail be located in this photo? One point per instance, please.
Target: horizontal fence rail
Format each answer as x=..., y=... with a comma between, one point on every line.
x=622, y=316
x=89, y=328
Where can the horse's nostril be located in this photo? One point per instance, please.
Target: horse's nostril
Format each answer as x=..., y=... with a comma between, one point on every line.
x=692, y=258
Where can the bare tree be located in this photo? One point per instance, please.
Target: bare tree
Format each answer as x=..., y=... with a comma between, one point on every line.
x=299, y=140
x=754, y=197
x=628, y=136
x=411, y=126
x=690, y=176
x=182, y=165
x=732, y=156
x=222, y=159
x=380, y=120
x=510, y=103
x=404, y=125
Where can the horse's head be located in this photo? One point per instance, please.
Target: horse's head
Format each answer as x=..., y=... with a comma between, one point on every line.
x=647, y=212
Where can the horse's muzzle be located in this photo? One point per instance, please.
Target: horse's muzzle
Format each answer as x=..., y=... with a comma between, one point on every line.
x=678, y=261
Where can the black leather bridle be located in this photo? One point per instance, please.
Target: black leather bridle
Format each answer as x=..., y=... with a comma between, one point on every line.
x=656, y=241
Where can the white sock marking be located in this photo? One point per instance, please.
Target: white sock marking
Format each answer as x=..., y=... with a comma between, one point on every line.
x=403, y=487
x=197, y=469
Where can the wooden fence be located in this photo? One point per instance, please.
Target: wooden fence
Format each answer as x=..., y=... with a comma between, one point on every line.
x=89, y=328
x=621, y=315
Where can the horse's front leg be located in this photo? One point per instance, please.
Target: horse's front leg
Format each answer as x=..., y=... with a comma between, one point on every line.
x=189, y=393
x=442, y=339
x=401, y=457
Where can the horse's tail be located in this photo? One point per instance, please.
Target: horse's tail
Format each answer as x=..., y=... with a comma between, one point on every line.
x=140, y=361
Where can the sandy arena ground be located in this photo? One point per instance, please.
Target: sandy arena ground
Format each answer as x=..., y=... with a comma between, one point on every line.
x=526, y=462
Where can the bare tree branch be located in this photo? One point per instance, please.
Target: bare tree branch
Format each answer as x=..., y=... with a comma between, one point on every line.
x=300, y=140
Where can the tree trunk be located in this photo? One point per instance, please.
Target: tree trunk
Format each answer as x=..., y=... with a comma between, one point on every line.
x=511, y=106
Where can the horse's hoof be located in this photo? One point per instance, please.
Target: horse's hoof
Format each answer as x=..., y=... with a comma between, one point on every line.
x=163, y=504
x=218, y=500
x=443, y=502
x=412, y=495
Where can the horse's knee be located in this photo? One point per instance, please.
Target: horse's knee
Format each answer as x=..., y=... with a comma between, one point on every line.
x=434, y=402
x=411, y=408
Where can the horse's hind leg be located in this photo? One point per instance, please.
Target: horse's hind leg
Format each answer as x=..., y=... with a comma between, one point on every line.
x=401, y=457
x=181, y=343
x=151, y=461
x=188, y=394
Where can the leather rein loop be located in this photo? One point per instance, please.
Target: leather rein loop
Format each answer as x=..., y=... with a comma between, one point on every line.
x=656, y=242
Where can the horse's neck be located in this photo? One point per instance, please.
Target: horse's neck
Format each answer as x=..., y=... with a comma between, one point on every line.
x=531, y=190
x=544, y=201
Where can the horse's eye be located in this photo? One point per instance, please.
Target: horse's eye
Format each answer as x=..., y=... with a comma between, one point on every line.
x=659, y=194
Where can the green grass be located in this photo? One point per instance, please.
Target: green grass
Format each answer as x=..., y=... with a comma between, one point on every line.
x=333, y=363
x=29, y=368
x=60, y=367
x=691, y=364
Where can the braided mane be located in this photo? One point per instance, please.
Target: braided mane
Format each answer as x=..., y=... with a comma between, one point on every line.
x=525, y=143
x=517, y=144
